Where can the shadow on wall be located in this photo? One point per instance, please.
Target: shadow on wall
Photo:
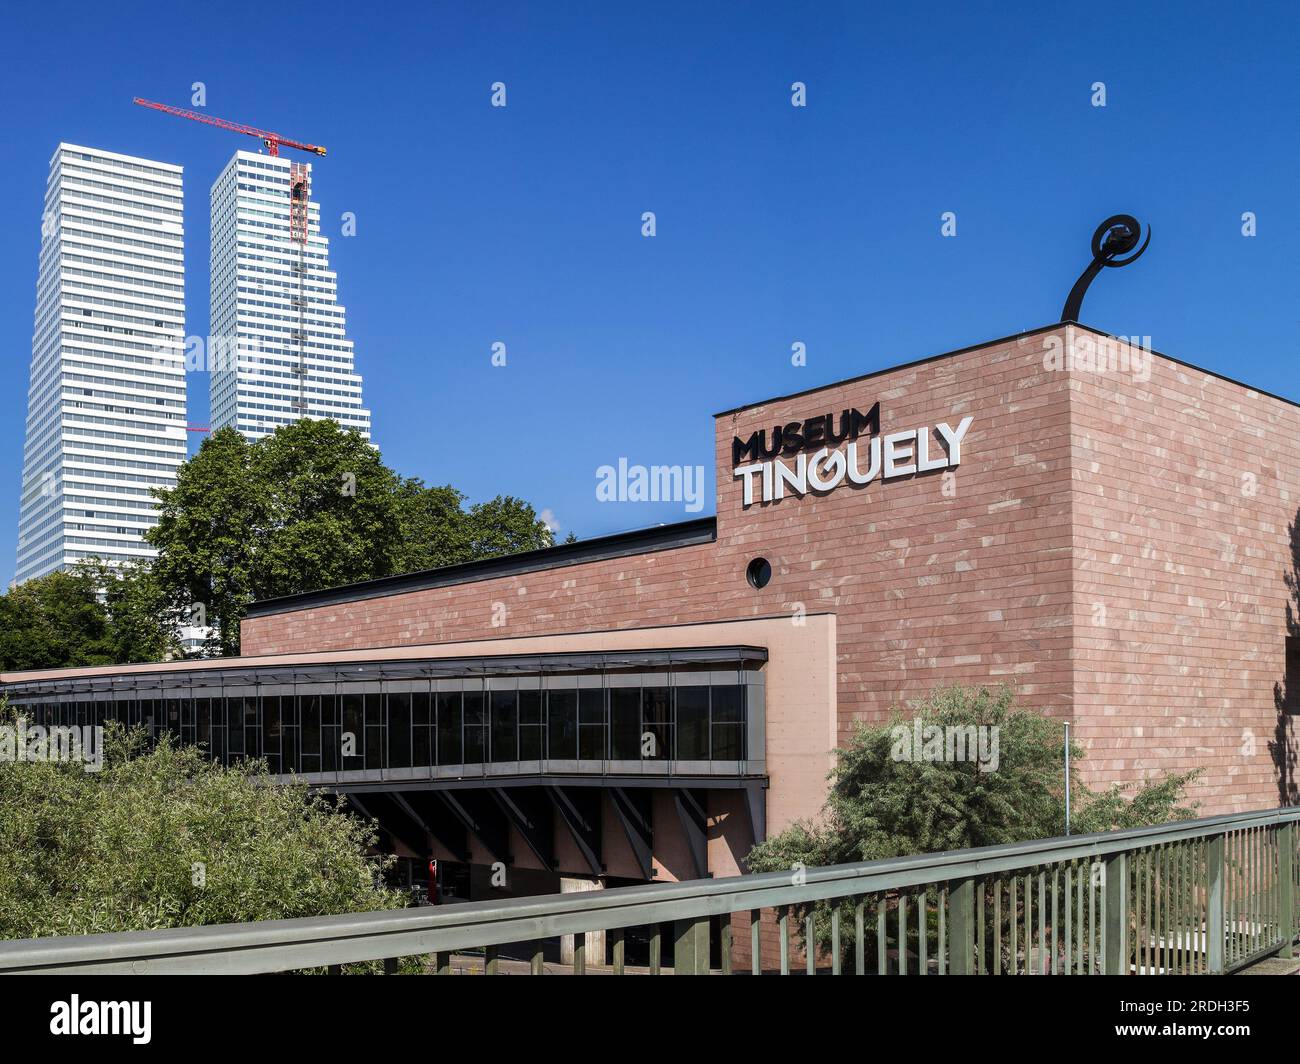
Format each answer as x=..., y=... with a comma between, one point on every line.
x=1286, y=693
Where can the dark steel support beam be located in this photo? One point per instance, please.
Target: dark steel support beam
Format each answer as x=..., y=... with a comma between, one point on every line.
x=638, y=826
x=694, y=823
x=533, y=820
x=483, y=819
x=446, y=828
x=756, y=808
x=585, y=830
x=400, y=801
x=366, y=814
x=398, y=822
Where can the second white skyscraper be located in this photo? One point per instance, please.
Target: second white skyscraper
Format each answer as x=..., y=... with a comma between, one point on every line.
x=279, y=350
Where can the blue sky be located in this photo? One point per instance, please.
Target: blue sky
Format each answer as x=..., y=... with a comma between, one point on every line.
x=775, y=224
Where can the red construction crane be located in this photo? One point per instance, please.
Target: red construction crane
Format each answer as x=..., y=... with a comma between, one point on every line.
x=299, y=220
x=271, y=140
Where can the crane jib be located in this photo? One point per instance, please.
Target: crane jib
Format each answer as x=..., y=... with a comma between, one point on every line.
x=273, y=141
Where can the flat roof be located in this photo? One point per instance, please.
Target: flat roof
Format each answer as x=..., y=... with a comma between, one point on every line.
x=249, y=672
x=117, y=156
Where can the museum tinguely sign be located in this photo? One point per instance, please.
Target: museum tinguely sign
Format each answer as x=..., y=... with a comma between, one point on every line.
x=835, y=456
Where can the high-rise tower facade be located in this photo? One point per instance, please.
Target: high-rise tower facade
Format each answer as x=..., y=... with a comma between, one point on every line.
x=106, y=402
x=279, y=346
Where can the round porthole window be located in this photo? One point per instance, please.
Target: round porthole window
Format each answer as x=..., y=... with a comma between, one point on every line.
x=759, y=572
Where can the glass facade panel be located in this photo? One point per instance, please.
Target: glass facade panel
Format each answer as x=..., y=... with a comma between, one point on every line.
x=203, y=723
x=562, y=719
x=450, y=745
x=324, y=729
x=331, y=757
x=353, y=736
x=505, y=725
x=376, y=746
x=728, y=719
x=234, y=728
x=220, y=748
x=591, y=724
x=625, y=723
x=728, y=742
x=271, y=732
x=692, y=723
x=399, y=730
x=656, y=723
x=309, y=710
x=423, y=731
x=171, y=711
x=475, y=730
x=532, y=734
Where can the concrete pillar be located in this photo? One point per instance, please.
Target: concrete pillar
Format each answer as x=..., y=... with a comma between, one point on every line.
x=595, y=939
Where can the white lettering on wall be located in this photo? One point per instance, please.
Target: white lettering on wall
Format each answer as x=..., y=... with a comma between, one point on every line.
x=898, y=454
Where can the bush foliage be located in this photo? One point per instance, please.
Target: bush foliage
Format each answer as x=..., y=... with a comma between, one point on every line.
x=163, y=837
x=881, y=806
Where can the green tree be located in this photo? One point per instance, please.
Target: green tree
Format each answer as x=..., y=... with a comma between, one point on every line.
x=160, y=836
x=54, y=621
x=331, y=506
x=437, y=530
x=89, y=614
x=141, y=623
x=884, y=805
x=208, y=533
x=311, y=506
x=435, y=527
x=506, y=525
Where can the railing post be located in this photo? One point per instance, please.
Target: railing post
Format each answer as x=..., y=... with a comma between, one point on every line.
x=691, y=947
x=1214, y=930
x=961, y=918
x=1115, y=955
x=1286, y=834
x=619, y=950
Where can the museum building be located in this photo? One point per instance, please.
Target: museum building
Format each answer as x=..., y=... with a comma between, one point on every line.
x=1109, y=530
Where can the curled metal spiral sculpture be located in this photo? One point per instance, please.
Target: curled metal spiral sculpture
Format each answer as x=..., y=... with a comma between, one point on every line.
x=1115, y=237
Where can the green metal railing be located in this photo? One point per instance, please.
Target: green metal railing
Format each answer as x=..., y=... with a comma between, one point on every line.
x=1194, y=897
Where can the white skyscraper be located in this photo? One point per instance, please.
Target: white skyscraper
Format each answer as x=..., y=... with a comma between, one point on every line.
x=280, y=350
x=106, y=403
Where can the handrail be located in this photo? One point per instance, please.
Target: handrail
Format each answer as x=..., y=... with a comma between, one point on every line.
x=277, y=945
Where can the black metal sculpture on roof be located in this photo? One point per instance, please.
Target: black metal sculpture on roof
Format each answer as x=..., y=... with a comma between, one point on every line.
x=1115, y=237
